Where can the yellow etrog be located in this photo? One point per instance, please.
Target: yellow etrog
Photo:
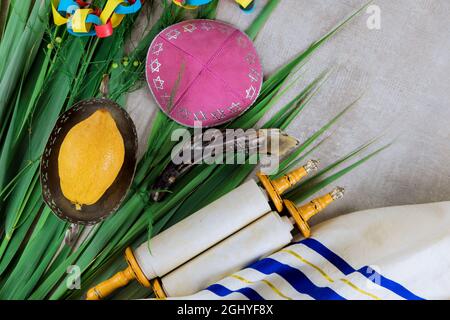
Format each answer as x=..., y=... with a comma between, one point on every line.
x=90, y=158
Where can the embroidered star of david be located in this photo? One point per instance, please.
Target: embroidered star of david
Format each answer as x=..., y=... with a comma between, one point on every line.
x=200, y=116
x=189, y=28
x=206, y=26
x=250, y=58
x=219, y=114
x=158, y=48
x=155, y=65
x=159, y=83
x=173, y=34
x=253, y=75
x=235, y=107
x=184, y=113
x=250, y=92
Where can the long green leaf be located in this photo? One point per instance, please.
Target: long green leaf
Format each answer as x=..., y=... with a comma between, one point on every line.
x=24, y=53
x=18, y=12
x=261, y=19
x=313, y=186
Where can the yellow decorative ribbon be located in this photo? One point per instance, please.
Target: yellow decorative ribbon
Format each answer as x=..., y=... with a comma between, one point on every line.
x=57, y=17
x=79, y=20
x=192, y=4
x=108, y=12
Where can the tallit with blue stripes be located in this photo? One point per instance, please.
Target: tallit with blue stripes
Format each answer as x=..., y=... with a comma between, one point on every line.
x=382, y=254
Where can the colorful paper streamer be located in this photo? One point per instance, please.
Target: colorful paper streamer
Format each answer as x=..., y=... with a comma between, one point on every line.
x=83, y=20
x=246, y=5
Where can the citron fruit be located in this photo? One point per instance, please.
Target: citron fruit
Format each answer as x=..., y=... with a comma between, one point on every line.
x=90, y=158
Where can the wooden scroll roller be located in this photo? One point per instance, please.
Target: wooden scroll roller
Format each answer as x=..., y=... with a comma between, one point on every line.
x=194, y=236
x=261, y=238
x=301, y=215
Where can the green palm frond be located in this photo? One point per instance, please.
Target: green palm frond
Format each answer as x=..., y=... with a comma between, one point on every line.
x=316, y=184
x=261, y=19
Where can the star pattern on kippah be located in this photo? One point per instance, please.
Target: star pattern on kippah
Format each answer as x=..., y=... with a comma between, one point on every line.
x=173, y=34
x=235, y=107
x=189, y=28
x=158, y=48
x=250, y=58
x=253, y=75
x=242, y=42
x=159, y=83
x=206, y=26
x=200, y=116
x=250, y=92
x=219, y=114
x=183, y=113
x=155, y=65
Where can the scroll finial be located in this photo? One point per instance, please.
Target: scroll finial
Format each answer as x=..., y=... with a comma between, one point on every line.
x=302, y=214
x=338, y=193
x=275, y=188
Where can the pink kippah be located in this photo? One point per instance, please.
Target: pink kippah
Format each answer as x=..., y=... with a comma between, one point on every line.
x=203, y=70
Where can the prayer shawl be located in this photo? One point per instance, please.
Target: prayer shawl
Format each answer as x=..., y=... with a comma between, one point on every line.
x=389, y=253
